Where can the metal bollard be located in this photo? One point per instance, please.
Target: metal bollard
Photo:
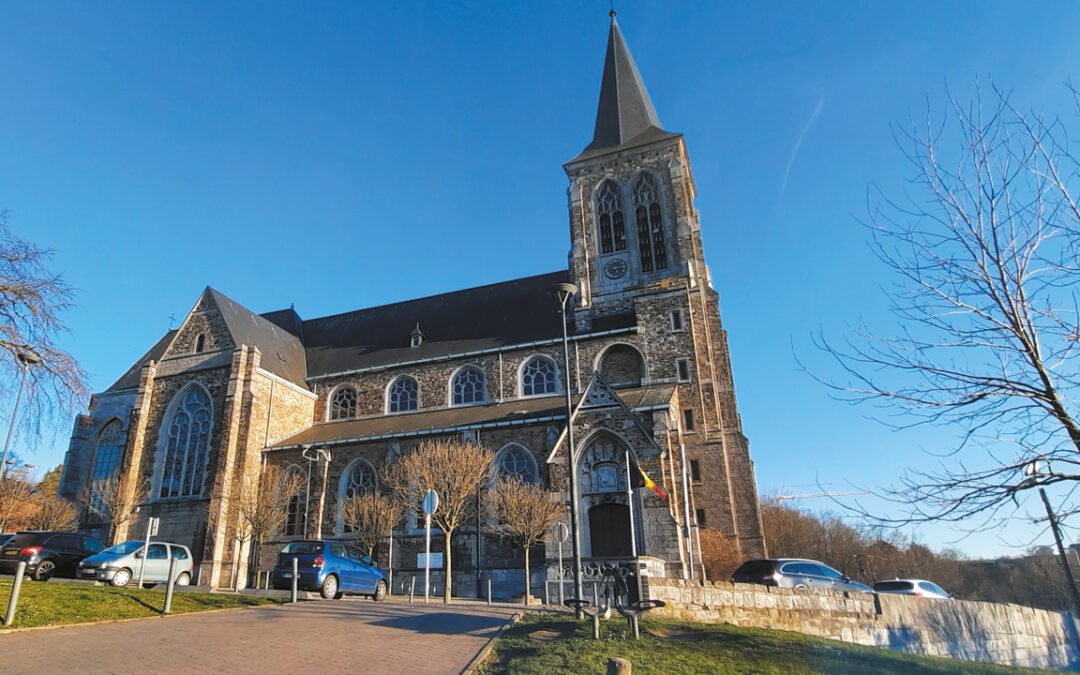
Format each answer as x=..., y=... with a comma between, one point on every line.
x=170, y=586
x=596, y=594
x=412, y=588
x=16, y=586
x=295, y=573
x=489, y=591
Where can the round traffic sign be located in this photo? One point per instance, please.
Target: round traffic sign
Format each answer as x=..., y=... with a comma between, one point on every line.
x=431, y=502
x=562, y=531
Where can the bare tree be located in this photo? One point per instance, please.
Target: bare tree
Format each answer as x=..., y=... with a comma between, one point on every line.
x=115, y=499
x=526, y=513
x=264, y=508
x=17, y=505
x=53, y=513
x=32, y=300
x=984, y=254
x=456, y=470
x=719, y=554
x=370, y=518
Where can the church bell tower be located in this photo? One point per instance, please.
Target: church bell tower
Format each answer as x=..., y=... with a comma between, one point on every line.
x=632, y=221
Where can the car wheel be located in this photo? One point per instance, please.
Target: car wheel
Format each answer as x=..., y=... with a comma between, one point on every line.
x=184, y=579
x=380, y=591
x=329, y=587
x=121, y=578
x=44, y=571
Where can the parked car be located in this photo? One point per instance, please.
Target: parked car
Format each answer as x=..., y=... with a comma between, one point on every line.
x=119, y=564
x=47, y=554
x=332, y=568
x=919, y=587
x=795, y=573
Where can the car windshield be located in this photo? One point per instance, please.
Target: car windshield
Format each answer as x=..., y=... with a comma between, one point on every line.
x=888, y=586
x=303, y=547
x=125, y=548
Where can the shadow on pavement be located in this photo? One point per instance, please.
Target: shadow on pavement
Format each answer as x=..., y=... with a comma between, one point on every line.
x=445, y=623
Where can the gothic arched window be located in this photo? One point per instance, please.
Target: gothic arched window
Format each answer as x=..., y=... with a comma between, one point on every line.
x=538, y=377
x=515, y=461
x=187, y=443
x=110, y=447
x=650, y=225
x=359, y=479
x=603, y=467
x=610, y=219
x=468, y=386
x=200, y=343
x=294, y=518
x=403, y=395
x=343, y=404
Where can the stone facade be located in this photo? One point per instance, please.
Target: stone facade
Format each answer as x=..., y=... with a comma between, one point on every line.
x=231, y=391
x=977, y=631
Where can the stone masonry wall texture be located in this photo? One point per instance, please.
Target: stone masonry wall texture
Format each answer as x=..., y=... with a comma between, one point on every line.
x=976, y=631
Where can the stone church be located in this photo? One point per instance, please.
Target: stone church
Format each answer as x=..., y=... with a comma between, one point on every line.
x=336, y=398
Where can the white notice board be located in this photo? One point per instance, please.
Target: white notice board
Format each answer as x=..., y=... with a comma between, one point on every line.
x=436, y=560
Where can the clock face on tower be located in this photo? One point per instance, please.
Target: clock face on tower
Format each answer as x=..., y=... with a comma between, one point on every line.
x=615, y=268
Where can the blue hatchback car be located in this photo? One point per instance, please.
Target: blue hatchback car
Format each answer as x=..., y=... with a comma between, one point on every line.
x=330, y=567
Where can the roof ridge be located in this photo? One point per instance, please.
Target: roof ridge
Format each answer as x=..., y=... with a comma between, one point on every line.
x=432, y=296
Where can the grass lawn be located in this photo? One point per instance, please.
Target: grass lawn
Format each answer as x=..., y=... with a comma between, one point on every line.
x=55, y=604
x=548, y=643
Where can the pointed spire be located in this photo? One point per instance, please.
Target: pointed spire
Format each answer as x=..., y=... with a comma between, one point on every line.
x=625, y=110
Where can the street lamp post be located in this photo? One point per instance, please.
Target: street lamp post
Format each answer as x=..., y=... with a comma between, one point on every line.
x=1032, y=471
x=26, y=359
x=565, y=293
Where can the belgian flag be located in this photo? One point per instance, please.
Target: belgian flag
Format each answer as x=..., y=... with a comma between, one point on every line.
x=641, y=479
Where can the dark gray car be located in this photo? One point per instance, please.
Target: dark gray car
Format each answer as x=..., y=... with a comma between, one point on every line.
x=796, y=573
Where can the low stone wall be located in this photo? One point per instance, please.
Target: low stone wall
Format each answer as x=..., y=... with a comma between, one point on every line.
x=977, y=631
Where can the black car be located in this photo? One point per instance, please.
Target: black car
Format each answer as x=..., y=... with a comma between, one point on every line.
x=795, y=573
x=47, y=554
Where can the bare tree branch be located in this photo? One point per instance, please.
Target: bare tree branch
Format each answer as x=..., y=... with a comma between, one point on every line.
x=32, y=301
x=985, y=300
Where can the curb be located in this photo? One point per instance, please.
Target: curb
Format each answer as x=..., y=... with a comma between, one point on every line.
x=482, y=655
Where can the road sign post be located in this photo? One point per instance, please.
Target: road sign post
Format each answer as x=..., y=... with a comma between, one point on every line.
x=562, y=533
x=151, y=530
x=430, y=505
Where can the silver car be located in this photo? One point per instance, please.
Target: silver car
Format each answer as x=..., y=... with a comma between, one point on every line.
x=119, y=564
x=919, y=587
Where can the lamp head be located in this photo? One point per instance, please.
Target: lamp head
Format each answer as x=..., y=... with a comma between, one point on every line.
x=564, y=292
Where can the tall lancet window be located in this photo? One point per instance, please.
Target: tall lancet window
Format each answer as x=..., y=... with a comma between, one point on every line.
x=186, y=444
x=609, y=212
x=650, y=224
x=110, y=447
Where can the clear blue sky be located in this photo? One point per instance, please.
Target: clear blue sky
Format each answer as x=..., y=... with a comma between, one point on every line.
x=342, y=155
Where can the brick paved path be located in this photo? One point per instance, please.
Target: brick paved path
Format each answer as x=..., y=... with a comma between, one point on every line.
x=334, y=636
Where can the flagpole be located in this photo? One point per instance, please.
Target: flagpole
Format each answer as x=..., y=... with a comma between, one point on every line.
x=688, y=532
x=633, y=536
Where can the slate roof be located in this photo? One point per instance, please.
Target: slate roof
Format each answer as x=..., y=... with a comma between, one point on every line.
x=485, y=317
x=282, y=352
x=510, y=413
x=625, y=116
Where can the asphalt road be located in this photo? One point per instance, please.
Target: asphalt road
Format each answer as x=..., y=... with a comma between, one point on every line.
x=353, y=635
